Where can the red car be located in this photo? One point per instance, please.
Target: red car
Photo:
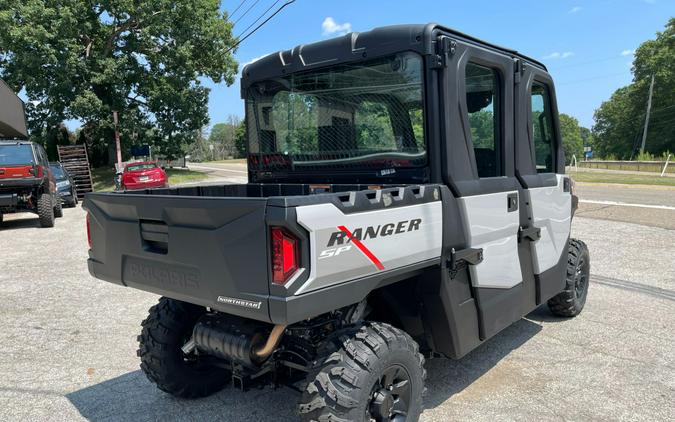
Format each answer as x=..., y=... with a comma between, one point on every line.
x=143, y=176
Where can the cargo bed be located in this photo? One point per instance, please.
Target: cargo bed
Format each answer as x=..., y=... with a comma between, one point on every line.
x=210, y=244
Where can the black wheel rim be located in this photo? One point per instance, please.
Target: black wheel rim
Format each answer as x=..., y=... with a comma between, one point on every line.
x=390, y=397
x=581, y=279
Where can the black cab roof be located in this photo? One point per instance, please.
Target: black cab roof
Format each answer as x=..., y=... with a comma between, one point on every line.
x=357, y=46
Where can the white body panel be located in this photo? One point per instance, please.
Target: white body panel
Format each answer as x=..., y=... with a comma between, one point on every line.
x=395, y=246
x=552, y=213
x=490, y=226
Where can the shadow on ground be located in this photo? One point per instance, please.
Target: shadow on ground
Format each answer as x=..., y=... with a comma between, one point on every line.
x=19, y=223
x=133, y=397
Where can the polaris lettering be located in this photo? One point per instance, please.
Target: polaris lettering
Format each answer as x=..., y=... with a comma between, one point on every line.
x=371, y=232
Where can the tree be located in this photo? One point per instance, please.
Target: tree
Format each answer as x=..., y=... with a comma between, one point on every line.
x=619, y=121
x=241, y=140
x=573, y=143
x=223, y=135
x=82, y=60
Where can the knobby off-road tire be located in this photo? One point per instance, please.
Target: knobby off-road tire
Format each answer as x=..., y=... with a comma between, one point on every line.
x=374, y=371
x=45, y=209
x=168, y=327
x=571, y=301
x=58, y=208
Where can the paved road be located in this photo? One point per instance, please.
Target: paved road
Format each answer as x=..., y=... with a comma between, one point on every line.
x=225, y=172
x=69, y=343
x=632, y=194
x=648, y=205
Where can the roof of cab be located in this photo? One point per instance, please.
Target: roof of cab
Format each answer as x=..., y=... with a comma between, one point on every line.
x=12, y=114
x=356, y=46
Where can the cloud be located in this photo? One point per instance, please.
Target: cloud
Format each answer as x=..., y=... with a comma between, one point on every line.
x=627, y=52
x=330, y=27
x=575, y=9
x=558, y=55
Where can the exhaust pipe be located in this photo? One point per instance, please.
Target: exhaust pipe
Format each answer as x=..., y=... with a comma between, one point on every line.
x=272, y=342
x=236, y=340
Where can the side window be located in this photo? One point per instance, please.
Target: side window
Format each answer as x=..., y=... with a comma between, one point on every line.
x=482, y=100
x=542, y=128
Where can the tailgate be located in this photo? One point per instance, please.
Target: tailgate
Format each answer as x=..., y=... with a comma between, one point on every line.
x=203, y=250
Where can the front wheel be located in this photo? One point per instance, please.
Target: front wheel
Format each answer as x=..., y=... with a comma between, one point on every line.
x=570, y=302
x=374, y=373
x=168, y=327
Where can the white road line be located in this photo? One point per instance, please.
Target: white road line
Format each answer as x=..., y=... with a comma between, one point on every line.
x=626, y=204
x=216, y=168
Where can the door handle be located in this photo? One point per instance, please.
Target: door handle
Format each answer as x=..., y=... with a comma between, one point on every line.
x=512, y=202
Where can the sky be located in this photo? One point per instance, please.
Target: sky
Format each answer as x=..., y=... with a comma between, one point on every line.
x=587, y=45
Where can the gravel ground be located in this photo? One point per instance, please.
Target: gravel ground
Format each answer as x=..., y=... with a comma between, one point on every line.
x=70, y=342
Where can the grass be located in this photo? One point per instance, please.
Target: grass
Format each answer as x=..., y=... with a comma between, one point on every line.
x=628, y=179
x=103, y=177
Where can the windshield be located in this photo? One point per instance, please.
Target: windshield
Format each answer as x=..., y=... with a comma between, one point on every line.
x=365, y=115
x=58, y=172
x=16, y=154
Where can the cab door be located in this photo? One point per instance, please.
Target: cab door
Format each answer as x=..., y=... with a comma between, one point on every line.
x=540, y=167
x=479, y=169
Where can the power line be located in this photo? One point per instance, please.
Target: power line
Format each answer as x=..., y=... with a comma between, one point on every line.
x=237, y=8
x=259, y=17
x=259, y=26
x=246, y=12
x=641, y=116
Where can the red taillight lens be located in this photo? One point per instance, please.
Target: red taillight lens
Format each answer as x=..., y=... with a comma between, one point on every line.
x=285, y=255
x=88, y=231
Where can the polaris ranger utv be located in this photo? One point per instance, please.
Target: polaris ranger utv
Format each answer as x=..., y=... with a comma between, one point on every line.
x=406, y=198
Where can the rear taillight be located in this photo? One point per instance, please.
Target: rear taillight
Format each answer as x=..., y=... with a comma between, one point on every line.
x=88, y=231
x=285, y=255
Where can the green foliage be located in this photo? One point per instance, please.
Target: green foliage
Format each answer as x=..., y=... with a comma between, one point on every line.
x=482, y=129
x=645, y=156
x=241, y=140
x=222, y=137
x=620, y=120
x=573, y=141
x=82, y=60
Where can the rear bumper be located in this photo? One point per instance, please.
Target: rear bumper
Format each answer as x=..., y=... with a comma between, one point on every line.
x=9, y=200
x=22, y=183
x=146, y=185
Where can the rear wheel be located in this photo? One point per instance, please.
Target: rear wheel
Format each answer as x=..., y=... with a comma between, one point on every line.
x=45, y=209
x=168, y=327
x=570, y=302
x=58, y=208
x=375, y=372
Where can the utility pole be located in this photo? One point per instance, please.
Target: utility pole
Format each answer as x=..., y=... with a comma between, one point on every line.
x=649, y=109
x=117, y=142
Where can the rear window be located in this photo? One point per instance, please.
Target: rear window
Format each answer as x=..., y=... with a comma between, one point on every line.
x=364, y=115
x=138, y=167
x=12, y=155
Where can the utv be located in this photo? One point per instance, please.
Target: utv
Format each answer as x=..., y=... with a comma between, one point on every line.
x=406, y=198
